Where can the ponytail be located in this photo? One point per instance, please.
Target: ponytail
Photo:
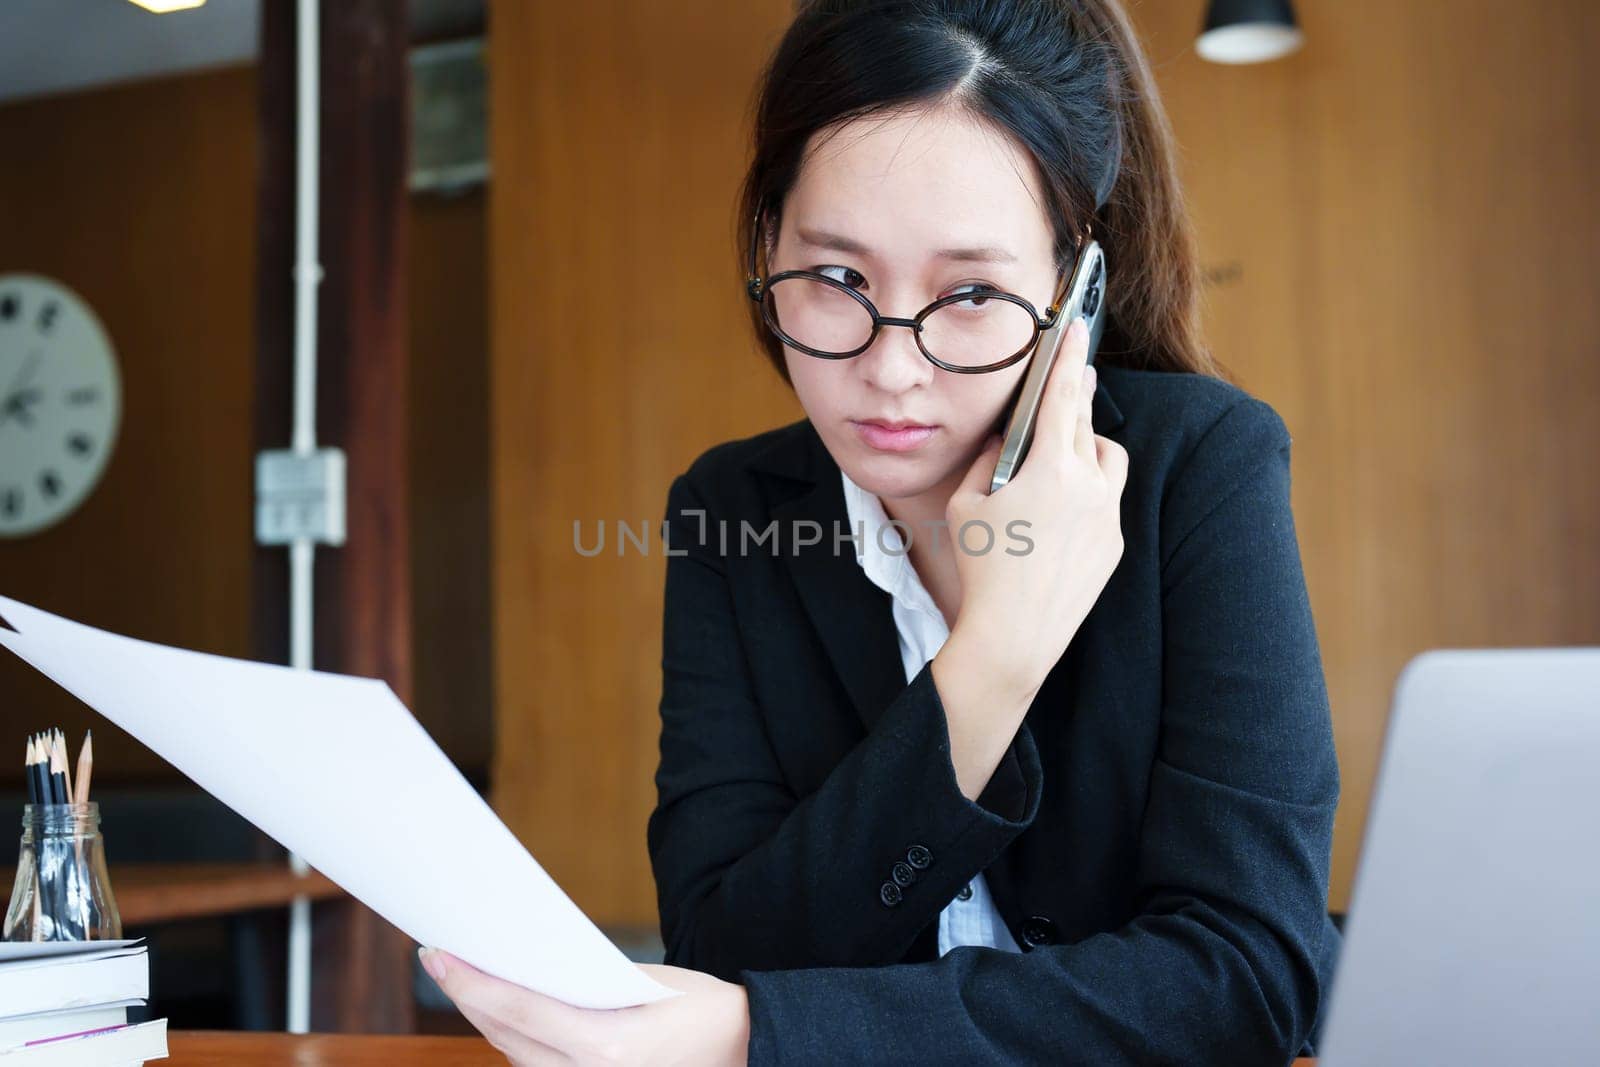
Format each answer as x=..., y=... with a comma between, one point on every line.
x=1148, y=237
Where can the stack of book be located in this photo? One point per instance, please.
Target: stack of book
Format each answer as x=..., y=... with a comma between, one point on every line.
x=65, y=1004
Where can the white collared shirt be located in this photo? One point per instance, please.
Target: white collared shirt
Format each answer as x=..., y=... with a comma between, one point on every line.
x=923, y=631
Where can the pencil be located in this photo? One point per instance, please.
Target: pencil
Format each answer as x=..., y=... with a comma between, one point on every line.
x=42, y=882
x=59, y=748
x=33, y=768
x=27, y=772
x=40, y=780
x=58, y=772
x=85, y=767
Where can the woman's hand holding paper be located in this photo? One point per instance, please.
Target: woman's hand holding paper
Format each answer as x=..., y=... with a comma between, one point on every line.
x=708, y=1025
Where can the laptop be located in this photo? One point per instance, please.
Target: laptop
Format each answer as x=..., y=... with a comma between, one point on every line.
x=1473, y=934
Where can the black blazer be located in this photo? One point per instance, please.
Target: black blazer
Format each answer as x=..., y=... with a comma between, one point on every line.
x=1157, y=837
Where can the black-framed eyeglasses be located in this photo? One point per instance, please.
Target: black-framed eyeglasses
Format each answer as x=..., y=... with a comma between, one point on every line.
x=972, y=332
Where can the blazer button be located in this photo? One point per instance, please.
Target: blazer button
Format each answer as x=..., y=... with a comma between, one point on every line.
x=902, y=875
x=966, y=892
x=919, y=857
x=889, y=893
x=1038, y=930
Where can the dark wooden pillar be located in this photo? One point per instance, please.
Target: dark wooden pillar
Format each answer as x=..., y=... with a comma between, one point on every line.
x=363, y=591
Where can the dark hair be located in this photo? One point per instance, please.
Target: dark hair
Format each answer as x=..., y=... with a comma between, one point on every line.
x=1067, y=78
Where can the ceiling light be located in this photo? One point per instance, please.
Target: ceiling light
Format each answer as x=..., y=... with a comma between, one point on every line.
x=161, y=7
x=1248, y=31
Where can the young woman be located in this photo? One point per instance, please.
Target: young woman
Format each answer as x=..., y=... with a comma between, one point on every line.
x=1058, y=785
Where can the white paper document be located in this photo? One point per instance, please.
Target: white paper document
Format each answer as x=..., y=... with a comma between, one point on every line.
x=336, y=769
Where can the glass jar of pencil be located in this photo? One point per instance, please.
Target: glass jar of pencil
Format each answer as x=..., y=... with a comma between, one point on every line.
x=62, y=891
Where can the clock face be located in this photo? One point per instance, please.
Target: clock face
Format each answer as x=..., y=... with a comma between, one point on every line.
x=60, y=402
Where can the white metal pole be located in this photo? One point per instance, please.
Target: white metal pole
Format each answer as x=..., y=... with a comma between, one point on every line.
x=307, y=275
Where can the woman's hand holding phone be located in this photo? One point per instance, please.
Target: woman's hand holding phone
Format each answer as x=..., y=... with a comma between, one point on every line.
x=1021, y=606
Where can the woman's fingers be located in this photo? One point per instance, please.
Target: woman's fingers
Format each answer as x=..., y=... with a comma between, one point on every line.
x=531, y=1014
x=711, y=1024
x=519, y=1049
x=1083, y=434
x=1056, y=431
x=981, y=474
x=1113, y=459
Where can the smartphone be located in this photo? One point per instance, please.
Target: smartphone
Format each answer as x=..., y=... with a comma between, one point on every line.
x=1086, y=299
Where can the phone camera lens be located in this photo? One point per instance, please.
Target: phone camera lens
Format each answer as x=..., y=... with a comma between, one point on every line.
x=1091, y=301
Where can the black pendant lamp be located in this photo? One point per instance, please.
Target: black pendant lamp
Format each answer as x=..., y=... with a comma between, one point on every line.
x=1248, y=31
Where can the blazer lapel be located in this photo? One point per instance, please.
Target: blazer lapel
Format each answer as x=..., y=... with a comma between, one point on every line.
x=853, y=618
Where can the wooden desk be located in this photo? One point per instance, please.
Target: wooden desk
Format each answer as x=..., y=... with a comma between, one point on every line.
x=210, y=1049
x=205, y=1048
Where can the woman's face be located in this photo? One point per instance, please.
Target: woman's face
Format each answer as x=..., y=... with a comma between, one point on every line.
x=880, y=206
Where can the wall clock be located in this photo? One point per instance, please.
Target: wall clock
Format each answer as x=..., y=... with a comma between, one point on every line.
x=60, y=402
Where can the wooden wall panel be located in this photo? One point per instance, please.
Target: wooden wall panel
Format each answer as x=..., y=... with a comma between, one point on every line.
x=1400, y=235
x=142, y=199
x=619, y=351
x=1402, y=222
x=449, y=311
